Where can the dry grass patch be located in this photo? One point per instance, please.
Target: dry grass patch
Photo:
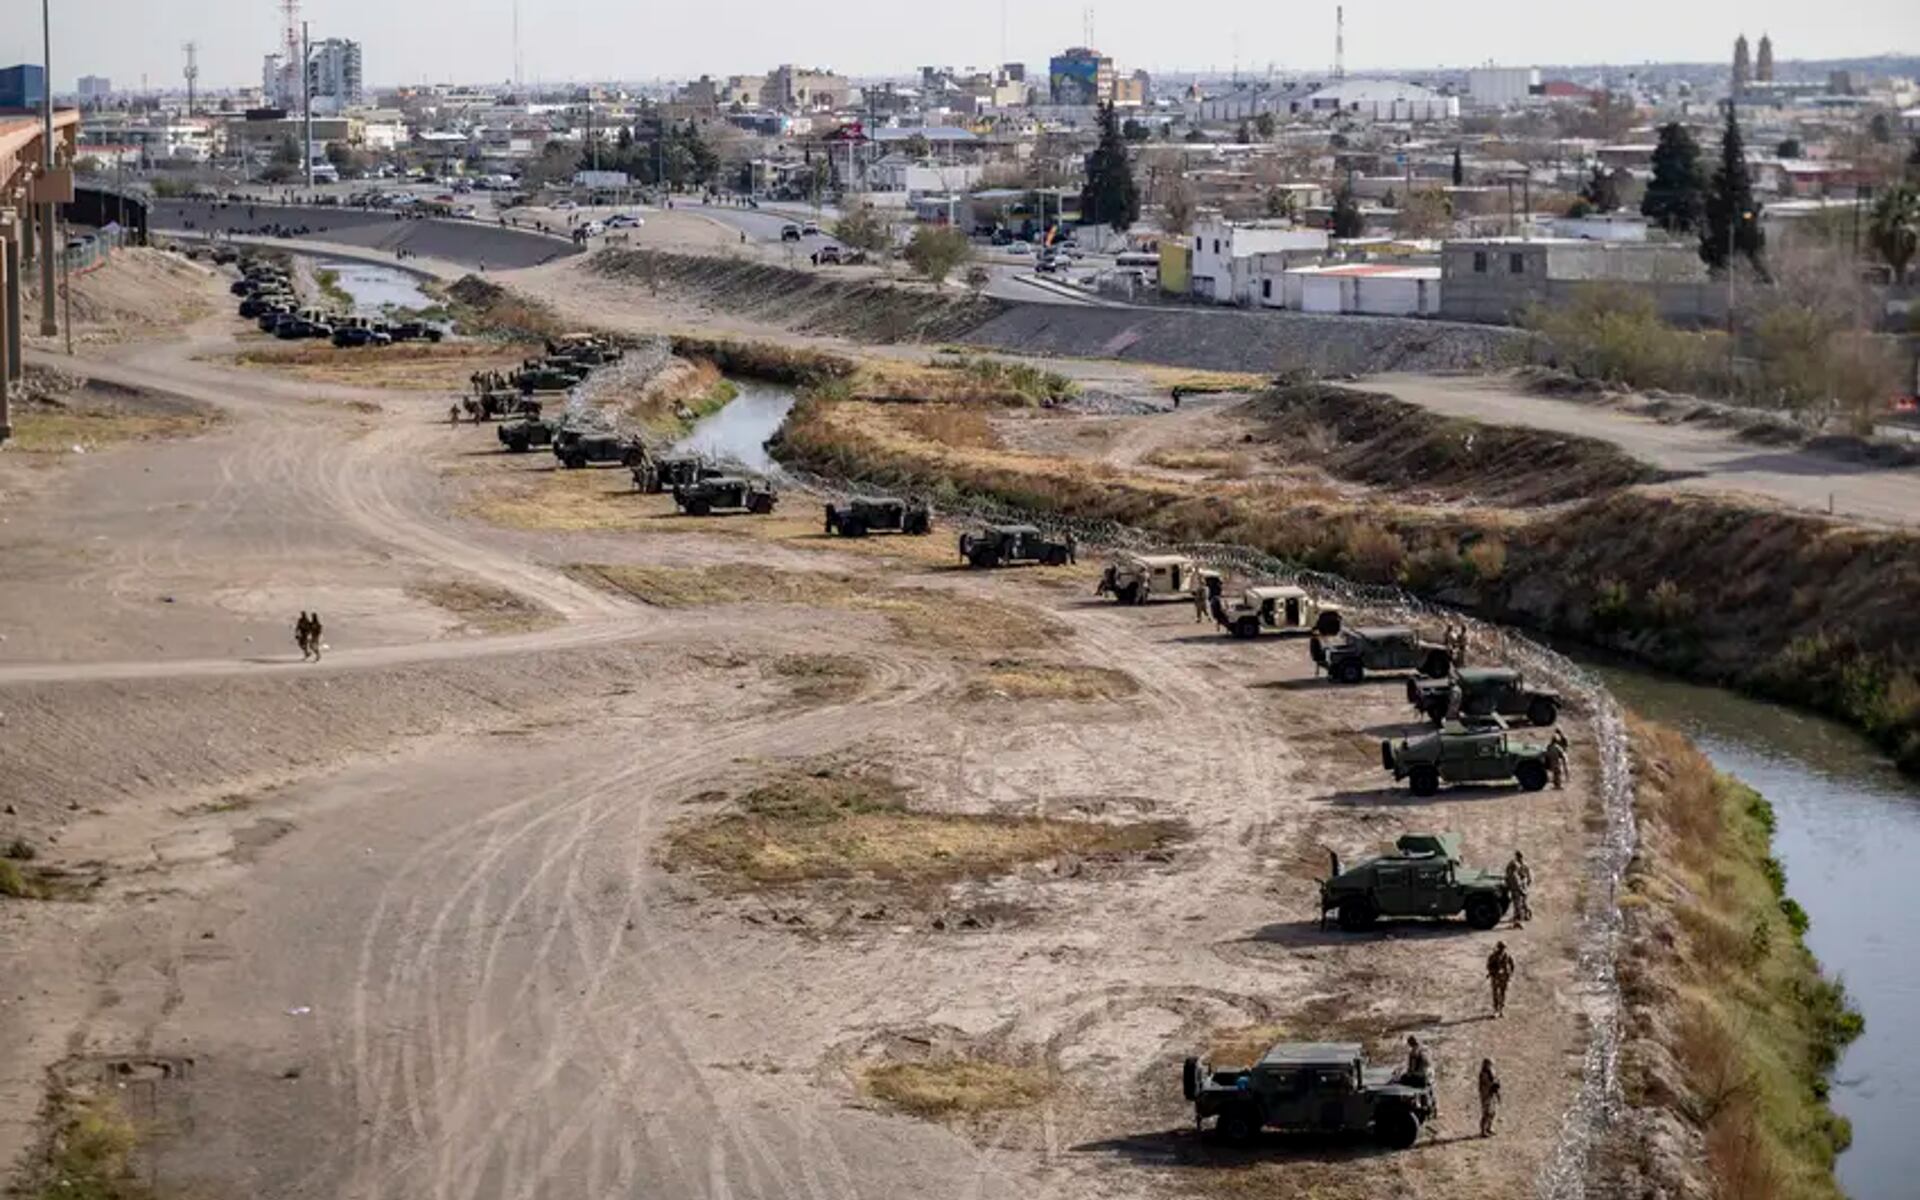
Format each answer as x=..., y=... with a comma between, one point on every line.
x=51, y=431
x=409, y=366
x=833, y=823
x=482, y=607
x=1017, y=679
x=923, y=616
x=822, y=678
x=951, y=425
x=957, y=1087
x=1224, y=462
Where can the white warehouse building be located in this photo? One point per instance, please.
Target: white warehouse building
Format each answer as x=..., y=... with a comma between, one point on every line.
x=1382, y=100
x=1375, y=289
x=1502, y=87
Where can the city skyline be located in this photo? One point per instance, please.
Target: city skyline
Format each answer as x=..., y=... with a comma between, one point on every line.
x=443, y=42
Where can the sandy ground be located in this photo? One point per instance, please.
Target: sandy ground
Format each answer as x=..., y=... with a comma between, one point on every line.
x=400, y=924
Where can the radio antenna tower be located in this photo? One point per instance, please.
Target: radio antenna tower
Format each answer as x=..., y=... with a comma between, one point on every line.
x=192, y=72
x=518, y=70
x=1339, y=41
x=293, y=66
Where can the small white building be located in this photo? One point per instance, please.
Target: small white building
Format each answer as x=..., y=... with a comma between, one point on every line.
x=1373, y=289
x=1224, y=252
x=1382, y=100
x=1602, y=227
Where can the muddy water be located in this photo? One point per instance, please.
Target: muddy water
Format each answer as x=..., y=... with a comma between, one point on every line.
x=375, y=288
x=738, y=433
x=1849, y=836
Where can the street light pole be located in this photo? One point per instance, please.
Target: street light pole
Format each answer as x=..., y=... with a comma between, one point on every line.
x=48, y=326
x=306, y=105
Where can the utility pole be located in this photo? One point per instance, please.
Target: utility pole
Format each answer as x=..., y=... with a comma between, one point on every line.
x=192, y=72
x=306, y=104
x=48, y=247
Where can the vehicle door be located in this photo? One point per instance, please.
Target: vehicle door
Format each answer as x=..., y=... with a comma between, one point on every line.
x=1332, y=1098
x=1293, y=612
x=1390, y=882
x=1174, y=576
x=1431, y=884
x=1486, y=760
x=1286, y=1091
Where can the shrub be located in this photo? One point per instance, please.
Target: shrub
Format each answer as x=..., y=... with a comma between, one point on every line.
x=1488, y=558
x=1373, y=554
x=19, y=850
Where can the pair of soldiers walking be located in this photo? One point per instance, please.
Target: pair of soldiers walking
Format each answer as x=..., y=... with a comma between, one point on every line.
x=306, y=635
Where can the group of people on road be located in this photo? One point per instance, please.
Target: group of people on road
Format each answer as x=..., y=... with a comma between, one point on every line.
x=306, y=635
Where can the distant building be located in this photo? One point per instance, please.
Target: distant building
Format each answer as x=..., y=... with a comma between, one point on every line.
x=1502, y=87
x=803, y=89
x=743, y=90
x=1380, y=100
x=94, y=87
x=333, y=75
x=1375, y=289
x=1742, y=66
x=1132, y=90
x=702, y=93
x=1763, y=66
x=1079, y=75
x=23, y=86
x=1498, y=279
x=1224, y=268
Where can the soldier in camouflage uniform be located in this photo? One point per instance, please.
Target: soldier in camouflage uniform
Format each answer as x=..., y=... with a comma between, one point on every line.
x=1519, y=881
x=1499, y=974
x=1489, y=1097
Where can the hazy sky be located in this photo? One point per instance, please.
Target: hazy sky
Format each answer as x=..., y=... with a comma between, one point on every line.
x=406, y=41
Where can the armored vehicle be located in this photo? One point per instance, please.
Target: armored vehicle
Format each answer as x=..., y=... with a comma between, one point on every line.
x=548, y=375
x=345, y=336
x=575, y=448
x=701, y=497
x=415, y=331
x=585, y=349
x=1308, y=1087
x=1002, y=545
x=1276, y=608
x=878, y=514
x=1479, y=751
x=1138, y=578
x=1424, y=877
x=1382, y=648
x=667, y=472
x=522, y=436
x=1499, y=691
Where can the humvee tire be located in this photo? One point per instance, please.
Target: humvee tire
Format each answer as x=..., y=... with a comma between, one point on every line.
x=1246, y=627
x=1127, y=593
x=1396, y=1126
x=852, y=527
x=1386, y=755
x=1425, y=781
x=1483, y=912
x=698, y=508
x=1328, y=624
x=1542, y=711
x=1356, y=914
x=1439, y=665
x=1190, y=1078
x=761, y=503
x=1348, y=671
x=917, y=523
x=1240, y=1124
x=1532, y=774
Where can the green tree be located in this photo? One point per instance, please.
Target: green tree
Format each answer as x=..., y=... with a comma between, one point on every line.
x=1347, y=221
x=1109, y=197
x=1279, y=203
x=1459, y=170
x=285, y=164
x=863, y=228
x=1601, y=190
x=1789, y=148
x=936, y=250
x=1676, y=195
x=1880, y=129
x=1264, y=125
x=1426, y=214
x=1244, y=134
x=1733, y=215
x=1177, y=209
x=916, y=146
x=1389, y=200
x=1895, y=228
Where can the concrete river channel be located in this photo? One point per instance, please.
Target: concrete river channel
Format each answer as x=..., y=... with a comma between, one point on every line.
x=1848, y=823
x=1848, y=833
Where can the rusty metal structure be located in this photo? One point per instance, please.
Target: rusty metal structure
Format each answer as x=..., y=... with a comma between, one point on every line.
x=36, y=176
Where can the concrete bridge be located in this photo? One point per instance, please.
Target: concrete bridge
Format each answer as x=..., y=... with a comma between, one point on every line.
x=36, y=175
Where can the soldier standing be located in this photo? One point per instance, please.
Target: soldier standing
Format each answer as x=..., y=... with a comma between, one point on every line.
x=1519, y=880
x=1556, y=759
x=303, y=635
x=1419, y=1073
x=453, y=414
x=313, y=635
x=1455, y=700
x=1489, y=1097
x=1316, y=651
x=1499, y=974
x=1457, y=642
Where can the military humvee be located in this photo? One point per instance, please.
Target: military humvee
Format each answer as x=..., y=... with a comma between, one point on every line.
x=522, y=436
x=1479, y=751
x=575, y=448
x=1499, y=691
x=1423, y=878
x=584, y=348
x=1138, y=578
x=1275, y=609
x=701, y=497
x=1318, y=1087
x=1382, y=648
x=1001, y=545
x=548, y=375
x=666, y=472
x=879, y=514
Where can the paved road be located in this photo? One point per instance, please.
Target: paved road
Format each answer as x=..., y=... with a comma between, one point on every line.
x=1710, y=460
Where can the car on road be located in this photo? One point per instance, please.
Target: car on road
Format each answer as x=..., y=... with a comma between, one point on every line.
x=1423, y=877
x=1019, y=247
x=563, y=205
x=810, y=230
x=828, y=254
x=1308, y=1087
x=789, y=233
x=625, y=221
x=594, y=228
x=1050, y=263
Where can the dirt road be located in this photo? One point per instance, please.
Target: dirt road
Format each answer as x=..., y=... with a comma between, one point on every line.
x=418, y=921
